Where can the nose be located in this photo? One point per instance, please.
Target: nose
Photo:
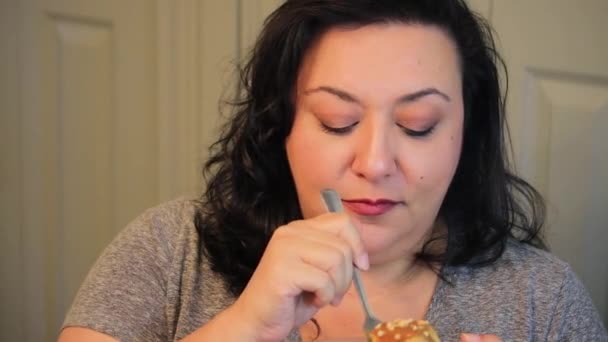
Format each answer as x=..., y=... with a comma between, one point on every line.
x=375, y=157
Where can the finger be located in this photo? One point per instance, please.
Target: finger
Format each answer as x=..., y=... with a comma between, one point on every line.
x=470, y=338
x=336, y=242
x=310, y=279
x=331, y=255
x=318, y=248
x=479, y=338
x=342, y=226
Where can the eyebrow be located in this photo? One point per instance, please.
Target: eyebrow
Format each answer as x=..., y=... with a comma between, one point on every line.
x=407, y=98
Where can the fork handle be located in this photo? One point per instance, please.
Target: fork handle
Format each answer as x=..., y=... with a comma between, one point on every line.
x=361, y=291
x=334, y=205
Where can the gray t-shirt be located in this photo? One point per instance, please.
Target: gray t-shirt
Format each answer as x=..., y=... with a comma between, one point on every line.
x=152, y=284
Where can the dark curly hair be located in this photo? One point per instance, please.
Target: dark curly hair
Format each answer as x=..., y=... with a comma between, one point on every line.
x=250, y=190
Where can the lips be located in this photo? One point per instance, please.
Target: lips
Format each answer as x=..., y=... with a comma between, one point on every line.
x=369, y=207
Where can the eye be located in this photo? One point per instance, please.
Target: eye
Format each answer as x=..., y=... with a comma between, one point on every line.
x=338, y=130
x=416, y=133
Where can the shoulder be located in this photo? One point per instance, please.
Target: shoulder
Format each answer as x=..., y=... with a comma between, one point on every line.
x=519, y=261
x=166, y=218
x=553, y=288
x=164, y=227
x=151, y=245
x=153, y=265
x=526, y=260
x=523, y=269
x=528, y=293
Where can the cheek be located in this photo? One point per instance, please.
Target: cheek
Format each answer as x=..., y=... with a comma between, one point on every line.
x=310, y=161
x=433, y=168
x=315, y=158
x=304, y=153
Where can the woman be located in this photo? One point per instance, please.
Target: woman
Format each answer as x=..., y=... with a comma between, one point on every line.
x=394, y=104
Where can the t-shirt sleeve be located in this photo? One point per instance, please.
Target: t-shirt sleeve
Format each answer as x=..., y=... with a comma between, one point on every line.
x=575, y=318
x=124, y=294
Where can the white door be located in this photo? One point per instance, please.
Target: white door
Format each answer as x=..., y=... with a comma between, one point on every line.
x=557, y=56
x=79, y=127
x=106, y=108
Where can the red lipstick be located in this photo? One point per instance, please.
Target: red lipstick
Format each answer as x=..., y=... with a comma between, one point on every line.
x=369, y=207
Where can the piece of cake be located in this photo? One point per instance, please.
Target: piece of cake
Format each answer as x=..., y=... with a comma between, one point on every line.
x=405, y=330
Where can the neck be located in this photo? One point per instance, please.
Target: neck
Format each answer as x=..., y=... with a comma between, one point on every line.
x=399, y=271
x=384, y=277
x=389, y=285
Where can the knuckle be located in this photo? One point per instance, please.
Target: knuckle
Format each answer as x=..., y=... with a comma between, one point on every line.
x=285, y=230
x=280, y=231
x=338, y=258
x=347, y=252
x=346, y=255
x=328, y=292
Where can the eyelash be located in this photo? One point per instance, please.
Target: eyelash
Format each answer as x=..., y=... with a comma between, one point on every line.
x=407, y=131
x=418, y=134
x=338, y=130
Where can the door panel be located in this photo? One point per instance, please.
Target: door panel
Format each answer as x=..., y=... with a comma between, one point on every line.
x=557, y=57
x=86, y=152
x=11, y=261
x=566, y=157
x=89, y=137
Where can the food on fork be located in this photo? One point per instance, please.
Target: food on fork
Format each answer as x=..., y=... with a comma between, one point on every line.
x=405, y=330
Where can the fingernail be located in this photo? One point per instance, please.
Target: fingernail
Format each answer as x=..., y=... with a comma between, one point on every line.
x=362, y=261
x=470, y=338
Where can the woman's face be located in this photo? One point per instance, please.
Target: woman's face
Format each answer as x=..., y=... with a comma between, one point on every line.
x=379, y=118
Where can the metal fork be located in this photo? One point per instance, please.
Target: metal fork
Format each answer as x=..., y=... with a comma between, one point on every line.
x=334, y=204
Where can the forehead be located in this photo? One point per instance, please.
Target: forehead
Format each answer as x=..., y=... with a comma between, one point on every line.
x=390, y=57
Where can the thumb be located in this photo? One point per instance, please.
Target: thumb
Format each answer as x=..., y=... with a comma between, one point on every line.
x=479, y=338
x=470, y=338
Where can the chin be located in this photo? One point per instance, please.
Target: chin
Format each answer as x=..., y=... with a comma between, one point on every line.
x=384, y=243
x=377, y=244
